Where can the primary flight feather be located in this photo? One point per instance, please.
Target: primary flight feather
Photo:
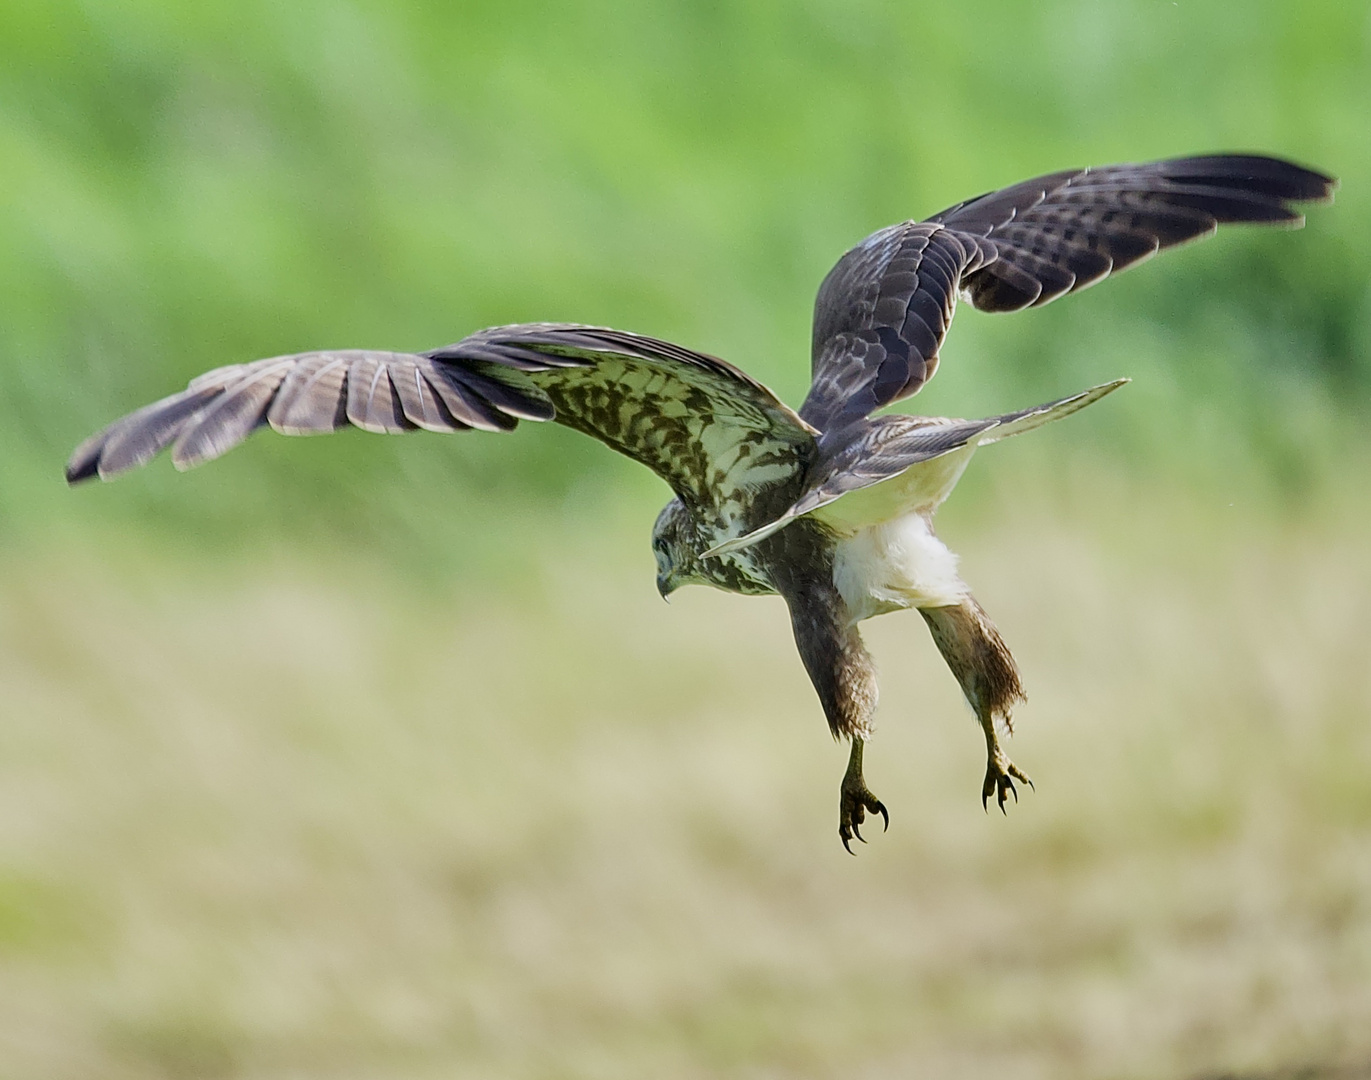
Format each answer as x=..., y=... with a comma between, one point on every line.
x=830, y=507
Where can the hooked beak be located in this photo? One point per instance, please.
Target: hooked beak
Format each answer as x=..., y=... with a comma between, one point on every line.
x=665, y=586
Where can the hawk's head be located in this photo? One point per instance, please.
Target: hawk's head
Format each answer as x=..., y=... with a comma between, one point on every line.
x=677, y=545
x=679, y=541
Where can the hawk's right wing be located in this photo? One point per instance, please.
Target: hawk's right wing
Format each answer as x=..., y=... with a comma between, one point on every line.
x=712, y=432
x=884, y=309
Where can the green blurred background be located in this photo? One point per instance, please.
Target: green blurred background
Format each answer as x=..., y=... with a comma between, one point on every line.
x=380, y=757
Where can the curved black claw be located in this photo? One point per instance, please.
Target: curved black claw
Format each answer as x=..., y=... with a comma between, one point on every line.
x=999, y=781
x=856, y=802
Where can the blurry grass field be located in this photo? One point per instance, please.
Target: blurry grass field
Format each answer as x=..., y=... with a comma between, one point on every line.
x=308, y=819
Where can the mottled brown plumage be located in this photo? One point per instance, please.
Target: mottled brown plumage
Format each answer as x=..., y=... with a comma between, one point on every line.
x=830, y=507
x=985, y=670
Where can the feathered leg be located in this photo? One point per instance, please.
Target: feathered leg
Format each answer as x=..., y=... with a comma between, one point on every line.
x=982, y=664
x=845, y=678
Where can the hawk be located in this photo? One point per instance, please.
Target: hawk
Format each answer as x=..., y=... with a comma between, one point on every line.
x=830, y=507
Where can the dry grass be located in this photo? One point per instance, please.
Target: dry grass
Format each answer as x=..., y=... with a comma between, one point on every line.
x=312, y=821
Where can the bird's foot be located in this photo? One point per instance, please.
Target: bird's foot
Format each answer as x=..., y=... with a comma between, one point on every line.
x=1000, y=774
x=856, y=801
x=852, y=809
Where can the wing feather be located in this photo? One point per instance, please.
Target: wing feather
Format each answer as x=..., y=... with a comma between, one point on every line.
x=137, y=438
x=312, y=399
x=231, y=416
x=713, y=433
x=884, y=309
x=422, y=406
x=373, y=404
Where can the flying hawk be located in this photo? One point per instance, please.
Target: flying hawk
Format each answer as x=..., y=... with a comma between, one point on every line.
x=831, y=507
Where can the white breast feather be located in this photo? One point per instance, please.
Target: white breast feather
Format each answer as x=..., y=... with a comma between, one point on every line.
x=894, y=565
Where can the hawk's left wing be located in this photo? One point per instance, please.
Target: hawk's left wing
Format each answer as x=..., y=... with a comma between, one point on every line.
x=883, y=311
x=712, y=432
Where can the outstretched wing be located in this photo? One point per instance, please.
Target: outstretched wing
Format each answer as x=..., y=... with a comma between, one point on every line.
x=882, y=312
x=869, y=477
x=705, y=427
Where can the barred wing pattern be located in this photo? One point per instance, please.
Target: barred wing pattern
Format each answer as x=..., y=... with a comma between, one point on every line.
x=714, y=433
x=705, y=427
x=884, y=309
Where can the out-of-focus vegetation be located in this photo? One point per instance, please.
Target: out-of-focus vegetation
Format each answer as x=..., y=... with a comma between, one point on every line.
x=190, y=185
x=379, y=757
x=303, y=819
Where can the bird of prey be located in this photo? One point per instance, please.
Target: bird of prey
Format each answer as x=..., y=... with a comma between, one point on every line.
x=831, y=506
